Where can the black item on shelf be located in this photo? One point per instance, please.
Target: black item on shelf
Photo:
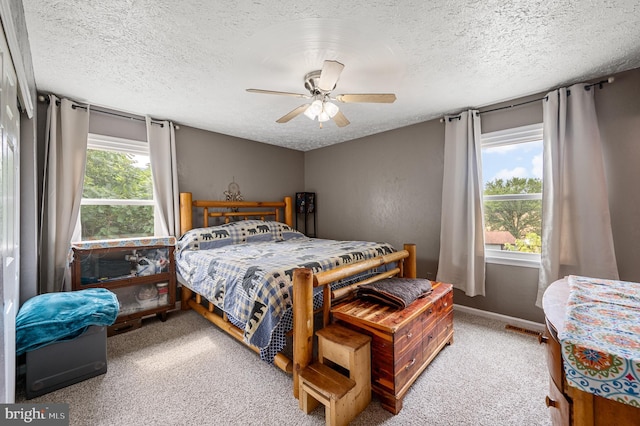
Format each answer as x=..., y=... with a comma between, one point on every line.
x=306, y=209
x=95, y=269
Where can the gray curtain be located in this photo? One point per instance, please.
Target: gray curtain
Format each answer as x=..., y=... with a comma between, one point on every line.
x=461, y=261
x=161, y=137
x=65, y=160
x=576, y=225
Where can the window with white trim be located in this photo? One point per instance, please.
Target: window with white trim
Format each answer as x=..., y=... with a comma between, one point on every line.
x=117, y=198
x=512, y=192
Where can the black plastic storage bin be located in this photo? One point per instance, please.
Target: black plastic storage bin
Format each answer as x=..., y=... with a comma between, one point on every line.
x=61, y=364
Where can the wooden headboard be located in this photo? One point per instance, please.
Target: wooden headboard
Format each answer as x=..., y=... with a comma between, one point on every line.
x=241, y=209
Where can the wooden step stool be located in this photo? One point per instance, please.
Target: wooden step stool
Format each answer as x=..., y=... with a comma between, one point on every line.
x=343, y=397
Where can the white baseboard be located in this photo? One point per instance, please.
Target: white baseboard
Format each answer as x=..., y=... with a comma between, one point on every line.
x=518, y=322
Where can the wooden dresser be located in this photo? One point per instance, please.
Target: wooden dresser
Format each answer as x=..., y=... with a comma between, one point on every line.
x=569, y=405
x=403, y=341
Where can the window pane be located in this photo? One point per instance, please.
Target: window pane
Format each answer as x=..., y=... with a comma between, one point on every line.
x=510, y=169
x=107, y=222
x=513, y=225
x=522, y=160
x=116, y=175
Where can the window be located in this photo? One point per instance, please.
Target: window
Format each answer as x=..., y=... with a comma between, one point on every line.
x=117, y=198
x=512, y=180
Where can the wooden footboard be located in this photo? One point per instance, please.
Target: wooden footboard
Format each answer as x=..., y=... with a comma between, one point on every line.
x=304, y=281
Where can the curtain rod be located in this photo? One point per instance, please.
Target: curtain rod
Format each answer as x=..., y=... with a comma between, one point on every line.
x=587, y=87
x=74, y=106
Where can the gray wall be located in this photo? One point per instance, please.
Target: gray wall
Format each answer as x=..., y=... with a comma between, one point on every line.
x=119, y=127
x=389, y=187
x=385, y=187
x=618, y=108
x=208, y=162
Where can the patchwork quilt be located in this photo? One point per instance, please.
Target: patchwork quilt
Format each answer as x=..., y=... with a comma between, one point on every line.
x=246, y=269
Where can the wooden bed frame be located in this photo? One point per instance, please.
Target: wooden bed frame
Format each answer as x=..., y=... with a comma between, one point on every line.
x=304, y=280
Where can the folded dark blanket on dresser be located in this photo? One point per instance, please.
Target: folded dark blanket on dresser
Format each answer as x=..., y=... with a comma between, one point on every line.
x=397, y=292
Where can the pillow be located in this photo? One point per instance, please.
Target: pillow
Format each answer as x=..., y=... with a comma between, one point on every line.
x=254, y=231
x=244, y=231
x=204, y=238
x=284, y=232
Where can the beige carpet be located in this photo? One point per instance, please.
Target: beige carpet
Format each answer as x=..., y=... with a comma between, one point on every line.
x=186, y=372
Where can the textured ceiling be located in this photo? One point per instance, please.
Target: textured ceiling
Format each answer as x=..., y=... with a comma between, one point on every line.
x=191, y=61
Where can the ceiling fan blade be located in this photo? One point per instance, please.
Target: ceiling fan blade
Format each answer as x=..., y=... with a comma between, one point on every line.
x=340, y=119
x=293, y=114
x=383, y=98
x=329, y=75
x=272, y=92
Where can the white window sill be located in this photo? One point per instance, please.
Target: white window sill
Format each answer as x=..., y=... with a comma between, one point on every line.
x=527, y=260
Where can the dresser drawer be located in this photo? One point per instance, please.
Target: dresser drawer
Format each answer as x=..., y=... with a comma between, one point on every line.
x=407, y=337
x=430, y=339
x=429, y=316
x=559, y=407
x=445, y=327
x=444, y=304
x=408, y=365
x=429, y=343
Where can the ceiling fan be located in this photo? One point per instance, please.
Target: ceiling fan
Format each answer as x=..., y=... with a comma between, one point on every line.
x=320, y=83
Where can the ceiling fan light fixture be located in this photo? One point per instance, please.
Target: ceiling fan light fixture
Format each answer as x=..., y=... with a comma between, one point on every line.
x=314, y=109
x=310, y=113
x=331, y=109
x=323, y=116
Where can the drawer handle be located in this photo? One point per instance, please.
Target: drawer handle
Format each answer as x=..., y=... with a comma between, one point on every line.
x=542, y=339
x=409, y=335
x=446, y=304
x=413, y=361
x=430, y=311
x=550, y=402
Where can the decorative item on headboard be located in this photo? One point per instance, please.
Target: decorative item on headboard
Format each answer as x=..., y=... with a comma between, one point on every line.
x=233, y=194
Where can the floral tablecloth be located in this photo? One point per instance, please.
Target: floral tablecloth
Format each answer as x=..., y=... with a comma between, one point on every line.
x=601, y=338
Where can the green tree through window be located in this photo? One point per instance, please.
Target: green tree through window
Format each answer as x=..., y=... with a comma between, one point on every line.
x=118, y=177
x=519, y=217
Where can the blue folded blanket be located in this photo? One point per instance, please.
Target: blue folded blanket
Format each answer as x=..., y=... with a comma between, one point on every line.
x=54, y=317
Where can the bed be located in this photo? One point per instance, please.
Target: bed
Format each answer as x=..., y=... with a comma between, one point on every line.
x=249, y=272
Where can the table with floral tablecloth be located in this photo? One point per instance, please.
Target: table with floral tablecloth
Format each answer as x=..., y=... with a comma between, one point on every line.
x=601, y=338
